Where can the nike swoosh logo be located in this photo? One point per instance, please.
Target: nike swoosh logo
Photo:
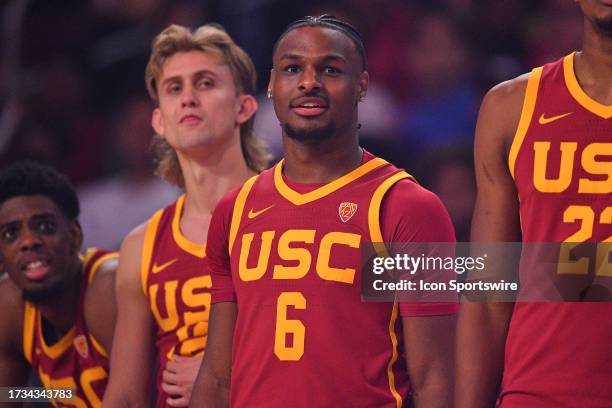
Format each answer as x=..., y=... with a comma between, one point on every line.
x=543, y=120
x=252, y=214
x=158, y=268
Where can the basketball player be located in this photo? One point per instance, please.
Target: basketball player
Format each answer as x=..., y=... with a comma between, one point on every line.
x=202, y=83
x=57, y=307
x=288, y=325
x=542, y=152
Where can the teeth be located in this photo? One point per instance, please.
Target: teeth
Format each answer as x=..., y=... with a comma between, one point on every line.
x=35, y=265
x=310, y=105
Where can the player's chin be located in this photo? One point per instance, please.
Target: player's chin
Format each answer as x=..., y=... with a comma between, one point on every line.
x=311, y=131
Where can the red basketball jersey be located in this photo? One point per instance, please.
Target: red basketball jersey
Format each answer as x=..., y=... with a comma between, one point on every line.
x=303, y=337
x=76, y=361
x=175, y=281
x=558, y=354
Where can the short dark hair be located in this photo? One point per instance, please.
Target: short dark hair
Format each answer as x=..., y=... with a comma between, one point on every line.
x=30, y=178
x=328, y=21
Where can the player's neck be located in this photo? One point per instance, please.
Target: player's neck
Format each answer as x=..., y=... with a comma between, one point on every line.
x=593, y=74
x=594, y=64
x=322, y=162
x=61, y=312
x=208, y=177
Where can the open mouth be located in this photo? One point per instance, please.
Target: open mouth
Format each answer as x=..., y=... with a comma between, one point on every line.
x=309, y=106
x=36, y=269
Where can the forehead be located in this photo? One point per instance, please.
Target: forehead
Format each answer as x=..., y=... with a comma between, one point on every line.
x=188, y=63
x=24, y=207
x=317, y=41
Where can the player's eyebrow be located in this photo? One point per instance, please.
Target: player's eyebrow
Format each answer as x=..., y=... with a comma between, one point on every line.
x=324, y=58
x=196, y=74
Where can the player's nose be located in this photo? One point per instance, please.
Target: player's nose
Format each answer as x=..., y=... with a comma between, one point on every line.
x=29, y=240
x=309, y=80
x=189, y=97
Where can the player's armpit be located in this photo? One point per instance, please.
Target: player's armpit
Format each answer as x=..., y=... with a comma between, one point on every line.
x=429, y=343
x=133, y=341
x=212, y=385
x=14, y=368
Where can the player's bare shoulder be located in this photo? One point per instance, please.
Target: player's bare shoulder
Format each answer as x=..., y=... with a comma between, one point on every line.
x=100, y=305
x=501, y=108
x=130, y=254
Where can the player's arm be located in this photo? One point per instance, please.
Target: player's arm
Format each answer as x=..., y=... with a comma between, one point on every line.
x=411, y=215
x=133, y=341
x=212, y=385
x=483, y=327
x=429, y=342
x=14, y=368
x=100, y=304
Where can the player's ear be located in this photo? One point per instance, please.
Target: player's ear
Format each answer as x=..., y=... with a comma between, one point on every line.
x=247, y=106
x=157, y=122
x=76, y=236
x=272, y=77
x=364, y=81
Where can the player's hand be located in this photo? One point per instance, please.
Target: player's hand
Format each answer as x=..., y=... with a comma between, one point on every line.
x=178, y=379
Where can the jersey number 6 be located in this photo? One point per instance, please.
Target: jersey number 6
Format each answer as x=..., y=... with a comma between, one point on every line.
x=285, y=327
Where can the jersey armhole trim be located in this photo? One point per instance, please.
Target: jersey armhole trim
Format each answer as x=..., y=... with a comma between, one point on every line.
x=96, y=265
x=374, y=209
x=147, y=249
x=238, y=210
x=29, y=321
x=529, y=103
x=98, y=346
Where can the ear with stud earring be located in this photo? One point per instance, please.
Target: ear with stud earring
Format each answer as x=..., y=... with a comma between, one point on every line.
x=361, y=96
x=269, y=93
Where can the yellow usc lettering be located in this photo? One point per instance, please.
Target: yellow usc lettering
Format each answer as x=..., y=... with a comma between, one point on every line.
x=303, y=256
x=588, y=160
x=194, y=297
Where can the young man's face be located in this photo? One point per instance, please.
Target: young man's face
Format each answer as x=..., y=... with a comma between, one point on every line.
x=198, y=105
x=38, y=246
x=316, y=82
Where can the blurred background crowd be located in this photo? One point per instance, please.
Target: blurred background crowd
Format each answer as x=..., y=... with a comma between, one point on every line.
x=72, y=88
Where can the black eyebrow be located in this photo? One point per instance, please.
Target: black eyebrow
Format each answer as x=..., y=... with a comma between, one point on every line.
x=325, y=58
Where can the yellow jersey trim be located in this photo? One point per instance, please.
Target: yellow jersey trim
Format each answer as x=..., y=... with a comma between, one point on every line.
x=182, y=241
x=98, y=263
x=56, y=350
x=529, y=103
x=147, y=249
x=374, y=209
x=98, y=346
x=29, y=320
x=394, y=343
x=298, y=199
x=238, y=210
x=378, y=241
x=590, y=104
